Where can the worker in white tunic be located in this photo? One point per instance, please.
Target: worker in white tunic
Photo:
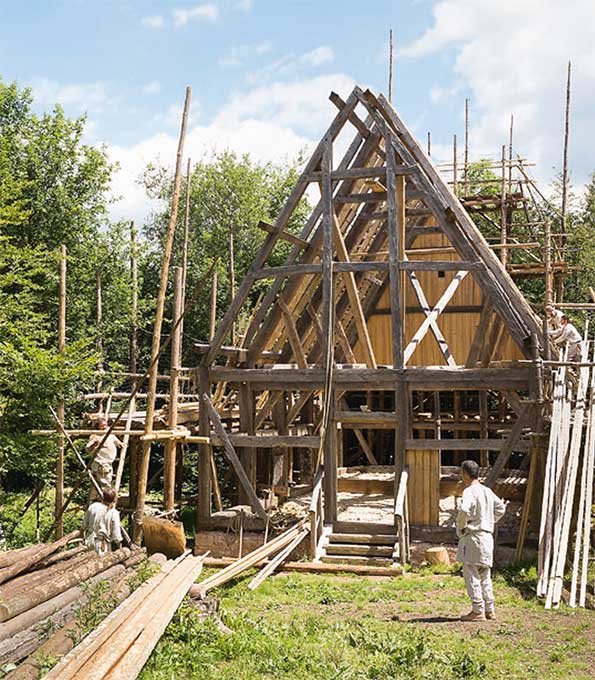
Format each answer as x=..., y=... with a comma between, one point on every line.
x=101, y=524
x=480, y=510
x=104, y=457
x=554, y=317
x=568, y=334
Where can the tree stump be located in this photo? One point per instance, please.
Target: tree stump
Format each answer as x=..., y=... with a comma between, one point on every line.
x=437, y=555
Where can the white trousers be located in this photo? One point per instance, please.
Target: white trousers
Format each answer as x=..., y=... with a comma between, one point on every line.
x=478, y=581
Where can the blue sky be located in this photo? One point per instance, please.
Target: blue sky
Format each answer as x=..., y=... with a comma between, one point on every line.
x=261, y=72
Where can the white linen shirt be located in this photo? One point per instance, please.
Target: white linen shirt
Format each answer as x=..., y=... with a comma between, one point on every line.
x=109, y=450
x=101, y=526
x=479, y=512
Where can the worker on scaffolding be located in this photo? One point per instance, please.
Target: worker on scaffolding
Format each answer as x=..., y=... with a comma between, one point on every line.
x=567, y=334
x=554, y=317
x=479, y=511
x=101, y=524
x=104, y=452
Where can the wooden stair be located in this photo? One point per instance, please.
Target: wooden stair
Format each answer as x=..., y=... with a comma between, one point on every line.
x=369, y=545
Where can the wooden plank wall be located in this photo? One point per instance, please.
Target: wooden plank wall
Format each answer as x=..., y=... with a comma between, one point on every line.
x=424, y=487
x=458, y=328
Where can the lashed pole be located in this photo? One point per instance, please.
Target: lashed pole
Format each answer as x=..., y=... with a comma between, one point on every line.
x=152, y=386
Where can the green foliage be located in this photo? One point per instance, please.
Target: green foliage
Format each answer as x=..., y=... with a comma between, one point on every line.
x=229, y=195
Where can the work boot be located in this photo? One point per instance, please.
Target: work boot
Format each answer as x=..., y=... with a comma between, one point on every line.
x=473, y=616
x=491, y=615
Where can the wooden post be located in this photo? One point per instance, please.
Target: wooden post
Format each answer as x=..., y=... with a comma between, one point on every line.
x=390, y=65
x=152, y=385
x=560, y=281
x=454, y=165
x=213, y=310
x=133, y=301
x=232, y=280
x=466, y=159
x=328, y=335
x=98, y=328
x=510, y=154
x=59, y=527
x=503, y=226
x=204, y=452
x=247, y=455
x=396, y=197
x=169, y=464
x=133, y=468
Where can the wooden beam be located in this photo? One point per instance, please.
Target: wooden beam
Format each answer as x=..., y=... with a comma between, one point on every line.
x=419, y=377
x=503, y=457
x=232, y=456
x=440, y=339
x=284, y=235
x=354, y=299
x=269, y=441
x=292, y=334
x=344, y=342
x=169, y=460
x=439, y=265
x=479, y=336
x=440, y=305
x=462, y=445
x=365, y=446
x=280, y=224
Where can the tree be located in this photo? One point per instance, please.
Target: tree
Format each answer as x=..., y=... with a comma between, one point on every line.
x=229, y=195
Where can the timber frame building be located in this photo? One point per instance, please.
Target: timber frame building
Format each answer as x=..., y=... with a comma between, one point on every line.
x=391, y=335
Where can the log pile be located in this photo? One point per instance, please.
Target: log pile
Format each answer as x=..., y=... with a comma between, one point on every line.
x=43, y=590
x=120, y=646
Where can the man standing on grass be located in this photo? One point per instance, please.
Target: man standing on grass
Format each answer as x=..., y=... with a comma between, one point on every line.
x=479, y=511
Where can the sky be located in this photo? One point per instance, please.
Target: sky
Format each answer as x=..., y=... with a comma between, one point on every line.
x=261, y=72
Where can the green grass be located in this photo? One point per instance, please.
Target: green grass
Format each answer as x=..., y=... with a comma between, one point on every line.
x=322, y=627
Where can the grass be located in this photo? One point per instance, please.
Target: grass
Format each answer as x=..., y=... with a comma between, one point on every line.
x=323, y=627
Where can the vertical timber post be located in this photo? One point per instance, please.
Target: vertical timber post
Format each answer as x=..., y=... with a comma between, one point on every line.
x=328, y=331
x=169, y=463
x=152, y=386
x=204, y=452
x=396, y=196
x=59, y=500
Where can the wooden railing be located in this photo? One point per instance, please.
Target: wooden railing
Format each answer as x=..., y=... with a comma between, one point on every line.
x=402, y=519
x=316, y=512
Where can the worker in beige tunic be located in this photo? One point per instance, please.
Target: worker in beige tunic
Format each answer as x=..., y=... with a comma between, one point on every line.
x=567, y=334
x=104, y=457
x=479, y=511
x=554, y=317
x=101, y=524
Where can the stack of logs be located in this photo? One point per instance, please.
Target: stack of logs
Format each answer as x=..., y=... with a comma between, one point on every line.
x=43, y=587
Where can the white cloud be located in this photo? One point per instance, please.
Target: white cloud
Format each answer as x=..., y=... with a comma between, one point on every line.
x=182, y=16
x=76, y=98
x=301, y=104
x=272, y=123
x=154, y=21
x=318, y=56
x=290, y=63
x=154, y=87
x=244, y=5
x=237, y=55
x=512, y=56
